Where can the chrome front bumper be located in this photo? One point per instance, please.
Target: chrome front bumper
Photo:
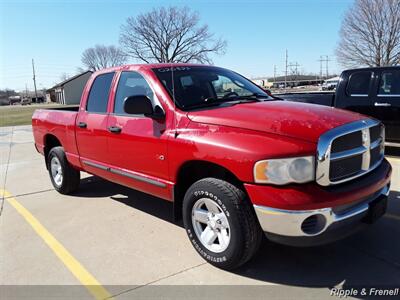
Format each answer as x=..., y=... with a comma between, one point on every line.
x=308, y=223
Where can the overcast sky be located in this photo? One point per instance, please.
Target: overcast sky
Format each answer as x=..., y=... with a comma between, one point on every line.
x=55, y=33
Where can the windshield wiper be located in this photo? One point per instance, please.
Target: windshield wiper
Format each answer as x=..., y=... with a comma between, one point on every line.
x=217, y=101
x=256, y=96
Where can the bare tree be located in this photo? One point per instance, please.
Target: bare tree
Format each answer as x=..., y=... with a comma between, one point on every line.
x=64, y=76
x=169, y=35
x=100, y=57
x=370, y=34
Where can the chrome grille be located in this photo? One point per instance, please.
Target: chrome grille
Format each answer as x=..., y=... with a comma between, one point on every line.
x=349, y=151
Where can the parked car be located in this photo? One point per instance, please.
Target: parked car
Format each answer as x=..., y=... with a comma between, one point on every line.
x=371, y=91
x=330, y=84
x=235, y=165
x=26, y=101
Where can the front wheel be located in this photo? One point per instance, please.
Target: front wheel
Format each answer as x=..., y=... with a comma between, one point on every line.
x=220, y=223
x=64, y=177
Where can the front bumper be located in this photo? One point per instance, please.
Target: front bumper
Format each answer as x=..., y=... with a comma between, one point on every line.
x=317, y=226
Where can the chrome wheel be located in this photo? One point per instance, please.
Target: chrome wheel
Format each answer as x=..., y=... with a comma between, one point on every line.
x=56, y=171
x=211, y=225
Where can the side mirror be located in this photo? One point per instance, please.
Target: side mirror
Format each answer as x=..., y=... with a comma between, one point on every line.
x=141, y=105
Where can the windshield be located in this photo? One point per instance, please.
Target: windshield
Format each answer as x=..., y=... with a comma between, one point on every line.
x=197, y=86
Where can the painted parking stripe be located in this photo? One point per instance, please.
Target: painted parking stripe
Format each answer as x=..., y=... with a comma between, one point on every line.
x=83, y=275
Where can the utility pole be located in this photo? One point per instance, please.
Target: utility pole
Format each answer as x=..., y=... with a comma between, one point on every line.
x=34, y=78
x=294, y=71
x=296, y=66
x=327, y=66
x=324, y=59
x=26, y=90
x=320, y=68
x=286, y=66
x=274, y=74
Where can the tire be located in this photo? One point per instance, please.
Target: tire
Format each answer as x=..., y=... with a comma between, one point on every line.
x=237, y=236
x=57, y=164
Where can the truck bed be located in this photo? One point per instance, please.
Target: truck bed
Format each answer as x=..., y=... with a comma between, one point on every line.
x=322, y=98
x=63, y=108
x=58, y=123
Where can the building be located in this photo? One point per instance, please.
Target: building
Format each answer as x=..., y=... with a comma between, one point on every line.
x=70, y=90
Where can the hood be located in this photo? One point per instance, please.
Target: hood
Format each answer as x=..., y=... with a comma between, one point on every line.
x=293, y=119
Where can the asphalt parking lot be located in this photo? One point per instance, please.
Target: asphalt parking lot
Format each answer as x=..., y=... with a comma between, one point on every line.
x=127, y=242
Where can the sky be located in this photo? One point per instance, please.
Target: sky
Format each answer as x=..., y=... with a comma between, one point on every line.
x=55, y=33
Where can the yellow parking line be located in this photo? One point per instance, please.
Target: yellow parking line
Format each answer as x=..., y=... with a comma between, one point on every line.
x=87, y=279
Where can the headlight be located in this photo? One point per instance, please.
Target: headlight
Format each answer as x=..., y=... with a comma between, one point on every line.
x=285, y=170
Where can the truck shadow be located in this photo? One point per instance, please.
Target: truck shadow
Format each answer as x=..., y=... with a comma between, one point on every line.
x=368, y=258
x=94, y=187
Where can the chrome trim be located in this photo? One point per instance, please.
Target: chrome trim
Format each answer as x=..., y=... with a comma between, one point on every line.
x=348, y=153
x=388, y=95
x=390, y=144
x=125, y=173
x=138, y=177
x=382, y=104
x=288, y=222
x=377, y=143
x=358, y=95
x=92, y=164
x=324, y=155
x=366, y=142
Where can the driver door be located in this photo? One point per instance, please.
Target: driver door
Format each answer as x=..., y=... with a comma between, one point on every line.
x=137, y=145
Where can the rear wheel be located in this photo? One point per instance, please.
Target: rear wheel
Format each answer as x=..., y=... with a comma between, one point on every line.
x=64, y=177
x=220, y=223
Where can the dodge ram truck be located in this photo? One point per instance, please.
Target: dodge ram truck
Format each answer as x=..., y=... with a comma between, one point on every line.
x=373, y=92
x=236, y=163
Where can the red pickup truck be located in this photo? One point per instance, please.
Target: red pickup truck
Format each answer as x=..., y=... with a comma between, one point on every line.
x=235, y=162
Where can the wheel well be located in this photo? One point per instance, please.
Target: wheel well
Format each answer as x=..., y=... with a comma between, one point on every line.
x=50, y=141
x=193, y=171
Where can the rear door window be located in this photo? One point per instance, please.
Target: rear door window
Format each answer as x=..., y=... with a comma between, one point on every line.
x=359, y=83
x=389, y=85
x=98, y=95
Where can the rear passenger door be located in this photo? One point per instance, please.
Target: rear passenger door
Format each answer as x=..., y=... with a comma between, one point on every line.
x=356, y=94
x=387, y=103
x=91, y=127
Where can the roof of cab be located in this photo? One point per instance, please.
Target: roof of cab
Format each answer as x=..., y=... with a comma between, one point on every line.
x=148, y=66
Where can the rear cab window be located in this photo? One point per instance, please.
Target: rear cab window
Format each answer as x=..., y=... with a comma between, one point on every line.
x=99, y=93
x=359, y=84
x=389, y=85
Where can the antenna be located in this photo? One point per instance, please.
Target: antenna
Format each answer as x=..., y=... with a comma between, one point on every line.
x=174, y=100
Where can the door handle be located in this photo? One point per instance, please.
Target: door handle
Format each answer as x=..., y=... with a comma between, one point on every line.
x=82, y=125
x=114, y=129
x=382, y=104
